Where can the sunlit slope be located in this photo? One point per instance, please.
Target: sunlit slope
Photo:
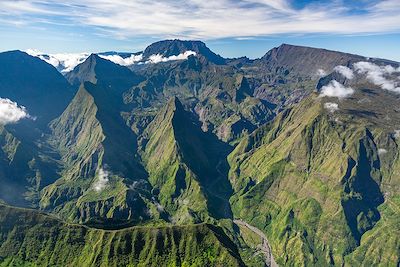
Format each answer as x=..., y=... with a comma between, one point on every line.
x=321, y=184
x=92, y=138
x=30, y=238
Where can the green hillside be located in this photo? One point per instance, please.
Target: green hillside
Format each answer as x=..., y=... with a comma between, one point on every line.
x=30, y=238
x=180, y=160
x=318, y=185
x=201, y=160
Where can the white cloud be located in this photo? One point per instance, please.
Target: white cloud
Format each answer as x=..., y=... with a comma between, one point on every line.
x=336, y=89
x=137, y=185
x=383, y=76
x=208, y=19
x=159, y=58
x=321, y=73
x=331, y=107
x=345, y=71
x=70, y=61
x=382, y=151
x=123, y=61
x=159, y=207
x=66, y=62
x=63, y=62
x=102, y=180
x=396, y=134
x=10, y=112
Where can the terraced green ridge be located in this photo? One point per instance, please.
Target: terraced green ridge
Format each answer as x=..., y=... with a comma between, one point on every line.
x=30, y=238
x=320, y=186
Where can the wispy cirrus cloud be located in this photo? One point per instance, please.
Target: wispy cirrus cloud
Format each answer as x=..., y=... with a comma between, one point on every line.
x=209, y=19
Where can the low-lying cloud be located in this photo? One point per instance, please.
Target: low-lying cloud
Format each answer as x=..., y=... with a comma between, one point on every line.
x=64, y=62
x=102, y=180
x=336, y=89
x=396, y=134
x=67, y=62
x=159, y=58
x=11, y=112
x=345, y=72
x=321, y=73
x=123, y=61
x=331, y=107
x=387, y=77
x=382, y=151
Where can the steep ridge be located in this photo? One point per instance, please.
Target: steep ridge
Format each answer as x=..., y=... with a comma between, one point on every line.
x=103, y=72
x=181, y=162
x=318, y=183
x=34, y=84
x=100, y=162
x=27, y=163
x=220, y=95
x=28, y=237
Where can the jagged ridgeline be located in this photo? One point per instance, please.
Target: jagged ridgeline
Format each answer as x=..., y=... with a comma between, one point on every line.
x=185, y=158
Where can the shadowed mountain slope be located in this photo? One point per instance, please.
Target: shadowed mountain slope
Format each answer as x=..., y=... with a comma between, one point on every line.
x=33, y=83
x=103, y=72
x=182, y=162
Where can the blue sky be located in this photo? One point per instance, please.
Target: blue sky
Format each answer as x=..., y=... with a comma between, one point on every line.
x=231, y=28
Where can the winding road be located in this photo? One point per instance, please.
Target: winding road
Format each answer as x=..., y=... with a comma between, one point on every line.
x=265, y=247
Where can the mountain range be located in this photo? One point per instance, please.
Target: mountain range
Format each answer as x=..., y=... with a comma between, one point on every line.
x=176, y=156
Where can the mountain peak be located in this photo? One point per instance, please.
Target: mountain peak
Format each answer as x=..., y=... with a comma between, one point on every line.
x=99, y=70
x=307, y=60
x=168, y=48
x=175, y=104
x=31, y=82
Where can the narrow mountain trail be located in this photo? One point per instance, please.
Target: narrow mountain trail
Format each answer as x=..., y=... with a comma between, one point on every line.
x=265, y=247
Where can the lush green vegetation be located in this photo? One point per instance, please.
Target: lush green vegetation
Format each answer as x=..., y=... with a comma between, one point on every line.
x=30, y=238
x=151, y=165
x=316, y=186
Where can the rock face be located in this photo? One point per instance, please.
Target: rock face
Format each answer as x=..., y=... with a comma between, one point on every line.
x=189, y=146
